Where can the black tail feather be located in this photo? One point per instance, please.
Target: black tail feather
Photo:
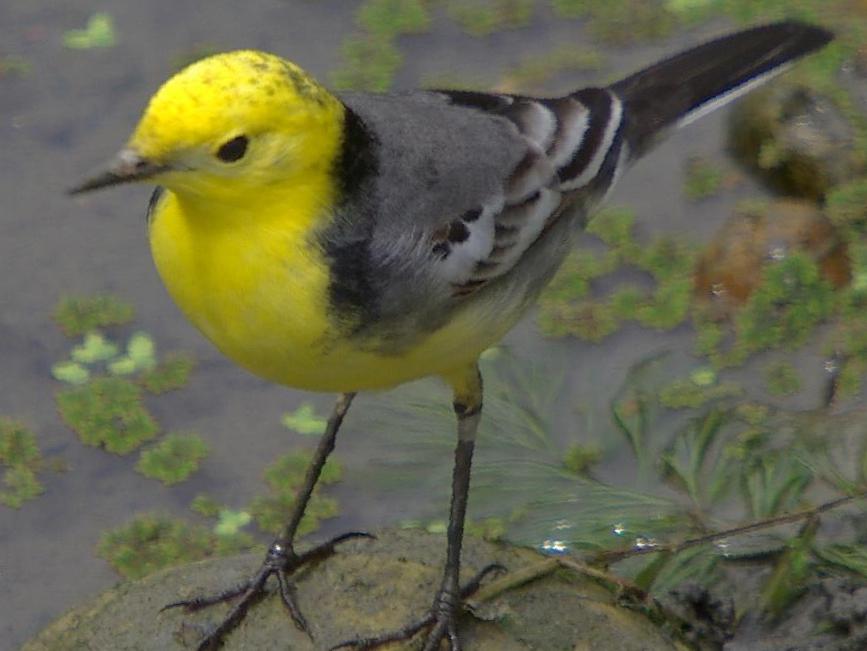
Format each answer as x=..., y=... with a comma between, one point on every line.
x=684, y=86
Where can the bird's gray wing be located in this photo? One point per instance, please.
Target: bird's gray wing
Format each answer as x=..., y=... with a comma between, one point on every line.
x=462, y=185
x=572, y=149
x=467, y=181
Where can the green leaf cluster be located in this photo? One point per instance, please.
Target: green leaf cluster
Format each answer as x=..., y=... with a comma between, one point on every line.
x=173, y=459
x=78, y=315
x=21, y=459
x=483, y=17
x=371, y=58
x=566, y=307
x=283, y=478
x=108, y=412
x=152, y=542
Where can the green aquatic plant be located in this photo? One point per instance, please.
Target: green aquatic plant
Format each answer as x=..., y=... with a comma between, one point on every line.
x=687, y=393
x=589, y=320
x=389, y=18
x=108, y=412
x=538, y=69
x=151, y=542
x=18, y=445
x=483, y=17
x=173, y=459
x=95, y=348
x=78, y=315
x=206, y=505
x=12, y=65
x=782, y=379
x=98, y=33
x=369, y=64
x=140, y=356
x=615, y=225
x=230, y=522
x=846, y=206
x=621, y=22
x=21, y=458
x=284, y=477
x=703, y=179
x=20, y=485
x=304, y=420
x=784, y=309
x=170, y=374
x=579, y=459
x=566, y=309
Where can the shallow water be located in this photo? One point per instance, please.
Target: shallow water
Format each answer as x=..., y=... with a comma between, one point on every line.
x=73, y=110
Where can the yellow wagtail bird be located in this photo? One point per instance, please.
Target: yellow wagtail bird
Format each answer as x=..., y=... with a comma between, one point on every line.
x=352, y=242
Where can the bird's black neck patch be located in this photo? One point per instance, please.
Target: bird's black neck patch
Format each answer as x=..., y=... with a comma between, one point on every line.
x=357, y=162
x=346, y=240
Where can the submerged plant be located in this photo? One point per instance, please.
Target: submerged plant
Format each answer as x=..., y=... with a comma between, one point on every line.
x=370, y=64
x=482, y=17
x=389, y=18
x=173, y=459
x=108, y=412
x=284, y=477
x=782, y=379
x=151, y=542
x=304, y=420
x=78, y=315
x=21, y=458
x=99, y=32
x=703, y=179
x=172, y=373
x=567, y=309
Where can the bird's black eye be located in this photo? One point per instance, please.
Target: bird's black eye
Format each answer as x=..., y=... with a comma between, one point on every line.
x=233, y=150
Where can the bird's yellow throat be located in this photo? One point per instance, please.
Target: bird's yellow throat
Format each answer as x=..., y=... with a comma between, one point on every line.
x=235, y=243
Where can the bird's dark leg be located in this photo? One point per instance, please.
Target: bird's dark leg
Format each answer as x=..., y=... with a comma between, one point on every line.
x=447, y=605
x=281, y=559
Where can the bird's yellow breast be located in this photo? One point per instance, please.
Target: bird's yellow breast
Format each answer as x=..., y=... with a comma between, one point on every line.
x=255, y=283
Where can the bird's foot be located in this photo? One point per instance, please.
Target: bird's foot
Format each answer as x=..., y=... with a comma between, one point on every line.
x=280, y=561
x=441, y=619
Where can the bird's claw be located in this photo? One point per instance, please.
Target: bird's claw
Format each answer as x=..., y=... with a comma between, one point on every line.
x=441, y=618
x=280, y=561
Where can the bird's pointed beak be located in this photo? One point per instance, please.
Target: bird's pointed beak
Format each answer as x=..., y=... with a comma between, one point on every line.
x=127, y=166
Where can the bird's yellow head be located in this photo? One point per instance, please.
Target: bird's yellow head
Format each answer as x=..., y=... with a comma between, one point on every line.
x=229, y=122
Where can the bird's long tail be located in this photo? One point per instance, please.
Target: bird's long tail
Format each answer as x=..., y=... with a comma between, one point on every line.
x=686, y=86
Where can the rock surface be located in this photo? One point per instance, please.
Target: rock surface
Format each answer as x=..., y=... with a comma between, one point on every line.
x=367, y=587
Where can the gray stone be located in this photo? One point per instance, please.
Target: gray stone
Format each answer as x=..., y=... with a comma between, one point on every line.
x=367, y=587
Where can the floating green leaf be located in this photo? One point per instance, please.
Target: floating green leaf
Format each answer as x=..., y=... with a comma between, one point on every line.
x=284, y=478
x=20, y=454
x=13, y=65
x=70, y=372
x=18, y=445
x=782, y=379
x=20, y=485
x=142, y=350
x=394, y=17
x=78, y=315
x=304, y=420
x=482, y=17
x=95, y=348
x=122, y=366
x=152, y=542
x=170, y=374
x=231, y=522
x=99, y=32
x=108, y=412
x=173, y=459
x=703, y=179
x=206, y=505
x=370, y=64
